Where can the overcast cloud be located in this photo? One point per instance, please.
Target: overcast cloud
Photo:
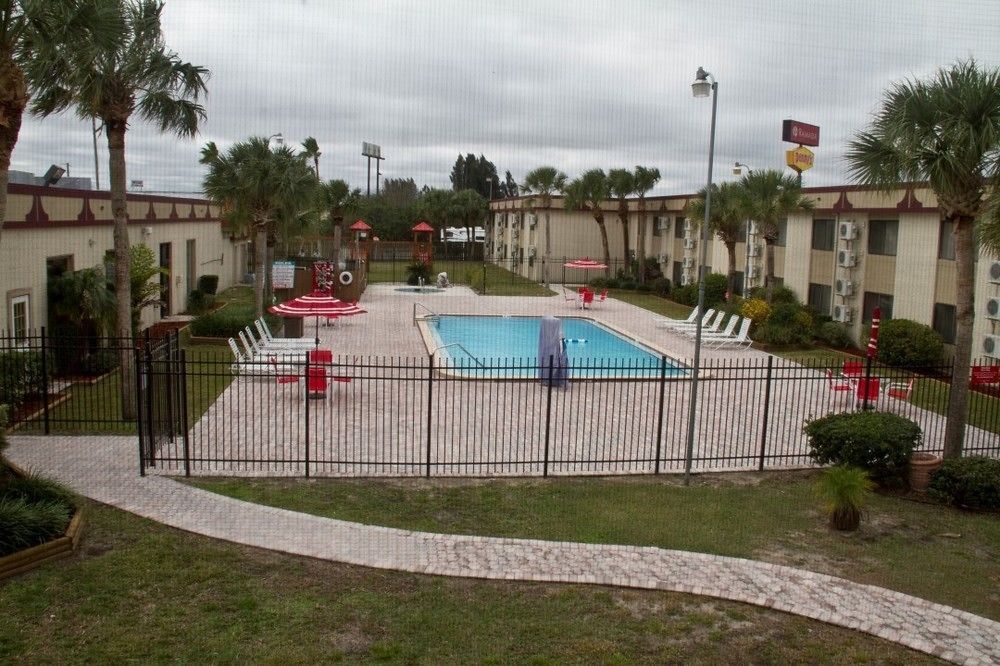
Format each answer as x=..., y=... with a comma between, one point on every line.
x=572, y=84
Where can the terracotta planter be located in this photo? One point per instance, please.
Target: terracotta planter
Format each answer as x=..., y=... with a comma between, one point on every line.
x=922, y=466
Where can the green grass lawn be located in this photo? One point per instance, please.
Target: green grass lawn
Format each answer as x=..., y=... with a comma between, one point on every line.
x=902, y=545
x=140, y=592
x=499, y=281
x=651, y=302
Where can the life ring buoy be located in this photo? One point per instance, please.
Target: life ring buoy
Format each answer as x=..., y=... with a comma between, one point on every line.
x=346, y=278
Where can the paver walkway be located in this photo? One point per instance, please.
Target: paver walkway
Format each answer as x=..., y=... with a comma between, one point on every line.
x=104, y=469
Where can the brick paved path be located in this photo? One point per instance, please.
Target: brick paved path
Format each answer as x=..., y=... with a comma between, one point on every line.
x=104, y=469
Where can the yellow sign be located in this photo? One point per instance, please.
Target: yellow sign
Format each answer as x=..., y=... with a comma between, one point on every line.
x=800, y=159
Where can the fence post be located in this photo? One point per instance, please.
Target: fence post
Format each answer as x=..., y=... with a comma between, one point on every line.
x=182, y=390
x=484, y=278
x=139, y=416
x=767, y=412
x=430, y=405
x=308, y=399
x=659, y=418
x=548, y=416
x=45, y=381
x=150, y=413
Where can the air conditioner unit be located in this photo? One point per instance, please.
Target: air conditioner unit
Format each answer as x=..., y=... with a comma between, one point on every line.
x=844, y=288
x=688, y=225
x=688, y=262
x=532, y=221
x=994, y=272
x=848, y=230
x=753, y=250
x=842, y=313
x=752, y=272
x=847, y=259
x=662, y=258
x=689, y=243
x=991, y=346
x=532, y=252
x=993, y=308
x=685, y=280
x=517, y=233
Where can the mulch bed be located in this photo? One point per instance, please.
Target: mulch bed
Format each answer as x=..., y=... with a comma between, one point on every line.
x=162, y=328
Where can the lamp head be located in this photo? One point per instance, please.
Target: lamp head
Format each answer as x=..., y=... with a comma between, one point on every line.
x=701, y=87
x=738, y=168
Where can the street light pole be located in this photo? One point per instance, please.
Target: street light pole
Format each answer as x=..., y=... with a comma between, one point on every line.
x=701, y=88
x=738, y=170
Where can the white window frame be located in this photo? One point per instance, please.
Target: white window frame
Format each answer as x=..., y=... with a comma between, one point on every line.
x=14, y=302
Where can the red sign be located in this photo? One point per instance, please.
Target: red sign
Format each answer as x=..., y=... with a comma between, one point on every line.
x=801, y=133
x=985, y=374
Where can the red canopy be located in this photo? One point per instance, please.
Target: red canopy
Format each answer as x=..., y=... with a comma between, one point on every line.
x=422, y=226
x=317, y=304
x=360, y=225
x=584, y=264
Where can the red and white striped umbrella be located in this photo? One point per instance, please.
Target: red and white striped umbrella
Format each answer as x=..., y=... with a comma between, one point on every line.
x=317, y=304
x=873, y=339
x=584, y=264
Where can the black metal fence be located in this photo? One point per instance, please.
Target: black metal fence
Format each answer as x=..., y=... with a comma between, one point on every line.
x=201, y=413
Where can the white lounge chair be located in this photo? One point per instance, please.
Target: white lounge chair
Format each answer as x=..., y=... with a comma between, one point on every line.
x=705, y=321
x=280, y=347
x=664, y=322
x=713, y=332
x=249, y=366
x=741, y=340
x=257, y=353
x=266, y=337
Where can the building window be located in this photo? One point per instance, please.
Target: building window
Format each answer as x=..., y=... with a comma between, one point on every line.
x=20, y=317
x=678, y=272
x=944, y=322
x=782, y=232
x=679, y=227
x=660, y=224
x=946, y=241
x=823, y=235
x=882, y=237
x=820, y=298
x=875, y=300
x=738, y=280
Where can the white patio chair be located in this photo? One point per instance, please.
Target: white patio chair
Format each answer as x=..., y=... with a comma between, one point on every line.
x=266, y=337
x=709, y=313
x=664, y=322
x=713, y=332
x=741, y=340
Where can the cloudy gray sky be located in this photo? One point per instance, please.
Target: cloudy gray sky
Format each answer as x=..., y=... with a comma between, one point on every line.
x=572, y=84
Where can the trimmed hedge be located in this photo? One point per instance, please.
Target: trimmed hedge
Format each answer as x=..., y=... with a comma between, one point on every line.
x=906, y=343
x=208, y=284
x=227, y=322
x=878, y=442
x=834, y=335
x=972, y=482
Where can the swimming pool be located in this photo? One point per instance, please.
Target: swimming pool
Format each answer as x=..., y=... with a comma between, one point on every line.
x=507, y=347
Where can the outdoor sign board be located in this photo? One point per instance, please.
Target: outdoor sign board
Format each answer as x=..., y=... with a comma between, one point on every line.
x=283, y=275
x=800, y=159
x=985, y=374
x=371, y=150
x=803, y=134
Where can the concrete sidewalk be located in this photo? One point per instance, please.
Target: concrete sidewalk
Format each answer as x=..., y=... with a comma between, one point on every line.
x=105, y=469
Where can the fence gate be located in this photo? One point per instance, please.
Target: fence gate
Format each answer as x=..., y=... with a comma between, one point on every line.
x=161, y=397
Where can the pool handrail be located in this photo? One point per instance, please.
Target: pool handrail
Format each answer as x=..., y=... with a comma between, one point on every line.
x=462, y=347
x=431, y=312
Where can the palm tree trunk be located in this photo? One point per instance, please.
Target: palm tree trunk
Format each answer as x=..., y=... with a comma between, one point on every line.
x=548, y=248
x=13, y=99
x=599, y=218
x=965, y=253
x=316, y=164
x=260, y=263
x=123, y=285
x=338, y=223
x=626, y=242
x=768, y=267
x=641, y=241
x=731, y=276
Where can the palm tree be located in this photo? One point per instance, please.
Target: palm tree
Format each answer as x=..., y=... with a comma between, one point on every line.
x=646, y=179
x=260, y=189
x=544, y=182
x=133, y=74
x=31, y=35
x=945, y=131
x=621, y=185
x=311, y=149
x=589, y=192
x=726, y=223
x=335, y=196
x=769, y=196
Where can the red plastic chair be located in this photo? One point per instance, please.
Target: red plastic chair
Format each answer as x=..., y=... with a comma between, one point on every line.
x=868, y=390
x=588, y=298
x=852, y=369
x=282, y=379
x=900, y=390
x=839, y=387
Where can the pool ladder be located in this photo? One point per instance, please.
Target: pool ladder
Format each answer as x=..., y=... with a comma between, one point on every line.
x=430, y=316
x=462, y=347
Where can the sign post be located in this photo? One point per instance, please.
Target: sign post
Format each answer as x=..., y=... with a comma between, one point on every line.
x=799, y=159
x=283, y=275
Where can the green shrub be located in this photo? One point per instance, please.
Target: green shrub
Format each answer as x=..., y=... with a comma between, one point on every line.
x=878, y=442
x=685, y=295
x=661, y=287
x=786, y=324
x=200, y=302
x=627, y=283
x=653, y=271
x=716, y=286
x=905, y=343
x=845, y=490
x=599, y=283
x=99, y=362
x=972, y=482
x=20, y=376
x=24, y=524
x=779, y=294
x=835, y=335
x=33, y=489
x=227, y=322
x=4, y=409
x=208, y=284
x=644, y=288
x=419, y=270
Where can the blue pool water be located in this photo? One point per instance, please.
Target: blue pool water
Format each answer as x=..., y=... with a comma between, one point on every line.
x=496, y=346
